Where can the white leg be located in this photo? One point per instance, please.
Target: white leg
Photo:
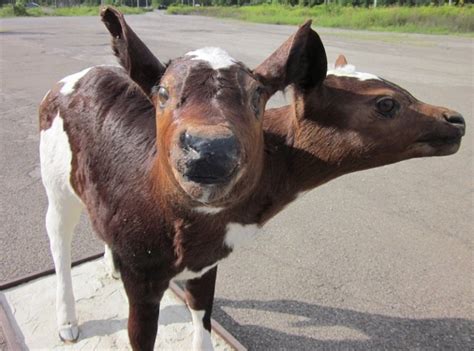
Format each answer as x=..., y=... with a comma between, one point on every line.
x=64, y=209
x=60, y=222
x=201, y=337
x=110, y=264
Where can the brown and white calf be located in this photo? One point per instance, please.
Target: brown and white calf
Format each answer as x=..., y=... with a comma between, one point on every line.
x=344, y=123
x=160, y=166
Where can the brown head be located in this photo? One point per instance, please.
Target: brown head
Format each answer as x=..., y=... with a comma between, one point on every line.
x=356, y=121
x=209, y=110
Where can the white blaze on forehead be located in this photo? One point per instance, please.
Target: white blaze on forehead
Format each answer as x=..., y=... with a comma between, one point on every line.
x=350, y=71
x=215, y=57
x=70, y=81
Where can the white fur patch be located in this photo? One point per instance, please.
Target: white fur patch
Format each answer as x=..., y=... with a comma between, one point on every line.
x=350, y=71
x=208, y=210
x=215, y=57
x=238, y=234
x=70, y=81
x=109, y=263
x=56, y=158
x=188, y=274
x=201, y=338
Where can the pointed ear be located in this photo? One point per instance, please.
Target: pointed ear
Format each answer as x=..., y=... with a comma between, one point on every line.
x=341, y=61
x=133, y=55
x=300, y=61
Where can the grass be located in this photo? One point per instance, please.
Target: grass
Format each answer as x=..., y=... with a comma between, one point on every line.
x=423, y=19
x=10, y=11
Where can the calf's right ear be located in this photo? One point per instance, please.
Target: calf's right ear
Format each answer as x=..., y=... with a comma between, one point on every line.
x=300, y=61
x=133, y=55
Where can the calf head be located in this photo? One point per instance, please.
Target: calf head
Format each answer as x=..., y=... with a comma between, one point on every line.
x=357, y=121
x=209, y=110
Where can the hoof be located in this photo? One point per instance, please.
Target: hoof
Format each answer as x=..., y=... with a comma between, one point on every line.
x=69, y=334
x=115, y=275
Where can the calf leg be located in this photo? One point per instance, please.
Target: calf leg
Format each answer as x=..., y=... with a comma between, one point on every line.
x=64, y=209
x=61, y=219
x=200, y=298
x=144, y=297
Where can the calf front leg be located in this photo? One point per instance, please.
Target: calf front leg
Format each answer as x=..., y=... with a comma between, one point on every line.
x=144, y=297
x=200, y=297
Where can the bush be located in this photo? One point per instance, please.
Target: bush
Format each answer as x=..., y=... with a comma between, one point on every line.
x=19, y=8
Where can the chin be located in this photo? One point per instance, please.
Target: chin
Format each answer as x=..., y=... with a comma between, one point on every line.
x=209, y=195
x=436, y=148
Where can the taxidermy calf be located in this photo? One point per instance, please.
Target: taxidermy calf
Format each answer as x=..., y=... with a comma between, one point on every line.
x=162, y=158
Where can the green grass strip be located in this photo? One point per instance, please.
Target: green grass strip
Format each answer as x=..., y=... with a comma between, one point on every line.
x=10, y=11
x=423, y=19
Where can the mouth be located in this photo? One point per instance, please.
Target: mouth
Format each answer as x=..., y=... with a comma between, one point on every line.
x=206, y=180
x=199, y=176
x=437, y=141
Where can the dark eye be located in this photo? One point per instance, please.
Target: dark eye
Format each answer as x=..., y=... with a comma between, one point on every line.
x=163, y=96
x=256, y=101
x=387, y=106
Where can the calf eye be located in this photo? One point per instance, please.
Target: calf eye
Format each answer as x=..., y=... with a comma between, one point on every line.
x=256, y=98
x=163, y=96
x=387, y=106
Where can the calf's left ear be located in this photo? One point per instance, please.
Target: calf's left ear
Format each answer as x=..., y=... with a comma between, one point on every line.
x=300, y=61
x=133, y=55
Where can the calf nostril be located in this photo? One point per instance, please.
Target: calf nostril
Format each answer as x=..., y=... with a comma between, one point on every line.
x=455, y=119
x=188, y=141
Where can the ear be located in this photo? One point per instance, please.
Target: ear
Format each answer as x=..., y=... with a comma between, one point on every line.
x=300, y=61
x=133, y=55
x=341, y=61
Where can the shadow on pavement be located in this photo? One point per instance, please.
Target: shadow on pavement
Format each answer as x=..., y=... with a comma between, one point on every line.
x=381, y=332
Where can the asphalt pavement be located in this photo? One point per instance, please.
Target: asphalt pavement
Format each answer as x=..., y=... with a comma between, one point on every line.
x=380, y=259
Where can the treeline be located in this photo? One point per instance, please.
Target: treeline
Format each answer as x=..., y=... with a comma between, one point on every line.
x=310, y=3
x=70, y=3
x=366, y=3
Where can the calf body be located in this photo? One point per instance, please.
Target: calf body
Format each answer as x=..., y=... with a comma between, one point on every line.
x=162, y=158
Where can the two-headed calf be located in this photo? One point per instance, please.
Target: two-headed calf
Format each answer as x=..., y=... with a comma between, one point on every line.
x=151, y=162
x=175, y=170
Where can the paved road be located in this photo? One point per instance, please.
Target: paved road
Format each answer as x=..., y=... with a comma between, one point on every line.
x=380, y=259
